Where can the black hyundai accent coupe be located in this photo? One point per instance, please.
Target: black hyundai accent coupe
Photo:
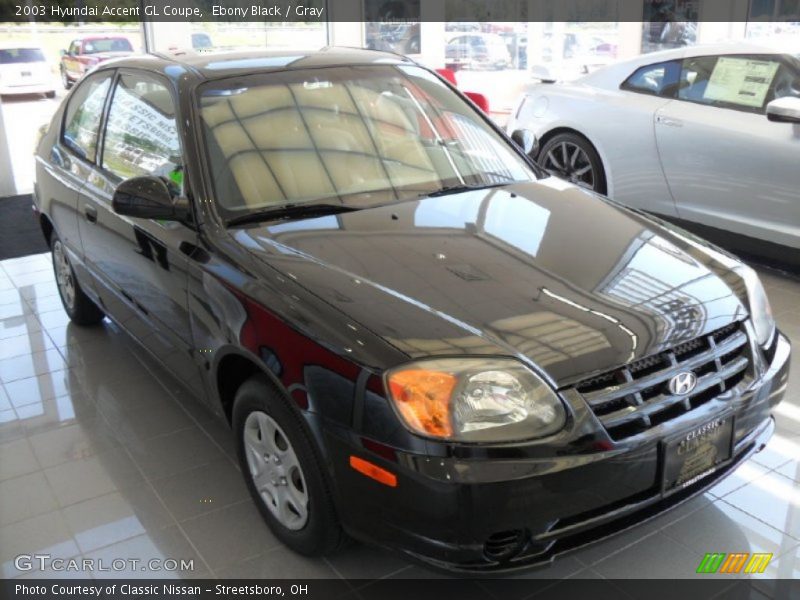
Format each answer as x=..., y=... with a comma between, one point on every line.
x=419, y=339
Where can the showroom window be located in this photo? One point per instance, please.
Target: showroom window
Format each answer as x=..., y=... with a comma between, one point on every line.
x=742, y=82
x=82, y=119
x=657, y=80
x=141, y=136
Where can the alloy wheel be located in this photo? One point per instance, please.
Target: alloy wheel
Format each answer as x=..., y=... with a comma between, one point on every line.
x=275, y=470
x=65, y=278
x=569, y=161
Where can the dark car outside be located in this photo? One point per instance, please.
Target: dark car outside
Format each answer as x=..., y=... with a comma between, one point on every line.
x=419, y=339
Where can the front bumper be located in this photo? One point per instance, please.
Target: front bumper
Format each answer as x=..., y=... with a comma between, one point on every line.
x=503, y=515
x=27, y=88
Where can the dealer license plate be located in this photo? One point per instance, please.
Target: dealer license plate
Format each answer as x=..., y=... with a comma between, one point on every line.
x=698, y=452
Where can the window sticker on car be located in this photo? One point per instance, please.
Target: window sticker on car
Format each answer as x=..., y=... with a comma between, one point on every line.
x=741, y=81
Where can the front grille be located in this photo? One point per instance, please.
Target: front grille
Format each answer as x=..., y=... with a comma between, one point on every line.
x=636, y=397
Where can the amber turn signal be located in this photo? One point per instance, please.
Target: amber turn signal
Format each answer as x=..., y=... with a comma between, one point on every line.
x=373, y=471
x=423, y=399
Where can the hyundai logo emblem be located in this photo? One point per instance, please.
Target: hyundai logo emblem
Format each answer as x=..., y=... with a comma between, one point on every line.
x=683, y=383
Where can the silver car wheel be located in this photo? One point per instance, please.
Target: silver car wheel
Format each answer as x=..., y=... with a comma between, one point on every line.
x=275, y=470
x=569, y=161
x=64, y=276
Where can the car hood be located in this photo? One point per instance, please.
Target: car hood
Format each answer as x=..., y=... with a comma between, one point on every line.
x=543, y=271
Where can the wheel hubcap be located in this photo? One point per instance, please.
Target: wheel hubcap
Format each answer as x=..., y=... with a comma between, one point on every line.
x=275, y=470
x=64, y=276
x=569, y=161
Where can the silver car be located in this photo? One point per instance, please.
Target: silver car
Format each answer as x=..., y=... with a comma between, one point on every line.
x=709, y=135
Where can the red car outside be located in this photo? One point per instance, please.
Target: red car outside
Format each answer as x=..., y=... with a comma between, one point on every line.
x=86, y=53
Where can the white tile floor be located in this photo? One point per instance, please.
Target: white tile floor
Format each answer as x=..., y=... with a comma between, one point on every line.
x=102, y=454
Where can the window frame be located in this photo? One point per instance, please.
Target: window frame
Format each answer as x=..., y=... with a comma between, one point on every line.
x=100, y=125
x=157, y=78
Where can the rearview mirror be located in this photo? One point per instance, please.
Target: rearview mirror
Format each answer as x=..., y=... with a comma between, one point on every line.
x=784, y=110
x=526, y=140
x=149, y=197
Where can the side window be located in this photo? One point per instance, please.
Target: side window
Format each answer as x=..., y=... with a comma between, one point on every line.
x=82, y=118
x=657, y=80
x=141, y=134
x=739, y=82
x=787, y=83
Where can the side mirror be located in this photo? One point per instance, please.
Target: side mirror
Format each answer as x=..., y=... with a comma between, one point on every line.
x=784, y=110
x=62, y=52
x=480, y=100
x=542, y=73
x=526, y=140
x=149, y=197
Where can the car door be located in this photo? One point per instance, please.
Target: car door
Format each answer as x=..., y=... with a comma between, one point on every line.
x=623, y=123
x=142, y=267
x=726, y=164
x=71, y=160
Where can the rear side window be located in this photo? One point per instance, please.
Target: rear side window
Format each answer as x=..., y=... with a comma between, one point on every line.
x=141, y=134
x=656, y=80
x=741, y=82
x=82, y=118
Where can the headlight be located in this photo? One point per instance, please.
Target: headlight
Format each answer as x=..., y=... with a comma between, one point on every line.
x=475, y=400
x=760, y=310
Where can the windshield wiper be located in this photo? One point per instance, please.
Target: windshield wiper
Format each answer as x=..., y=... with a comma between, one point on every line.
x=457, y=189
x=290, y=211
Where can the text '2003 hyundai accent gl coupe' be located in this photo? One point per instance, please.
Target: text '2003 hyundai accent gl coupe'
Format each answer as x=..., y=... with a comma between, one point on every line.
x=419, y=339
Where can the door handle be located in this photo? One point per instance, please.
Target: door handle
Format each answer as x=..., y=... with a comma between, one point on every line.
x=669, y=122
x=91, y=213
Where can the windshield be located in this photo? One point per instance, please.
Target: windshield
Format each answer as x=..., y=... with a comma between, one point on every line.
x=20, y=55
x=359, y=136
x=108, y=45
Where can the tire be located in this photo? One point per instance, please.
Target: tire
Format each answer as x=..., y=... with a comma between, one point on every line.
x=80, y=308
x=572, y=157
x=65, y=80
x=298, y=509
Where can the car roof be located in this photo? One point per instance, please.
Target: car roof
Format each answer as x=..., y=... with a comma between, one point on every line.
x=217, y=65
x=20, y=46
x=93, y=38
x=612, y=75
